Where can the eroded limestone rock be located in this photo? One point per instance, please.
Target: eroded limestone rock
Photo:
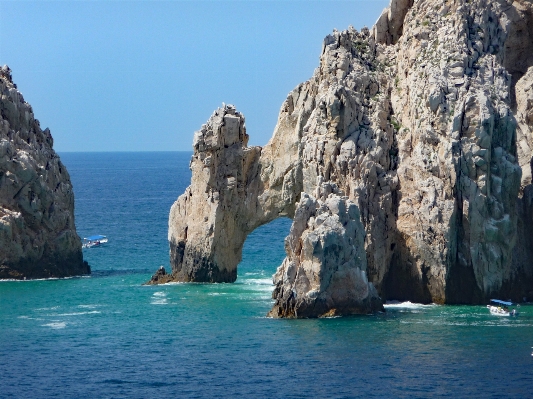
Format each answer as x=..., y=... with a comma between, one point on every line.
x=37, y=233
x=324, y=273
x=524, y=117
x=415, y=125
x=523, y=251
x=458, y=172
x=208, y=223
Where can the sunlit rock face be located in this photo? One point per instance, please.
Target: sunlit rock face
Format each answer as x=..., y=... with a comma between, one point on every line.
x=235, y=188
x=209, y=222
x=403, y=161
x=37, y=233
x=324, y=273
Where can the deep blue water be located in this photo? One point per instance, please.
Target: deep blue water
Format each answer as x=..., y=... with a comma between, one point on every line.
x=107, y=336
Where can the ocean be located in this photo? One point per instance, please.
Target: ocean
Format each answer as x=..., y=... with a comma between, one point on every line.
x=108, y=336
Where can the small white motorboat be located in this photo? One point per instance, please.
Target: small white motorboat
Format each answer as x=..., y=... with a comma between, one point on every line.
x=503, y=308
x=93, y=241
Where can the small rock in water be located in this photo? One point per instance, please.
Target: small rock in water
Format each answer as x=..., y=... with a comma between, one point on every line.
x=160, y=277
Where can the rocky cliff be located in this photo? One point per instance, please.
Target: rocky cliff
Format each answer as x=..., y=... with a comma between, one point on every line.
x=37, y=233
x=404, y=163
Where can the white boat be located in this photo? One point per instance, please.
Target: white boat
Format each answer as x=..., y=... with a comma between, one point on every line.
x=502, y=308
x=93, y=241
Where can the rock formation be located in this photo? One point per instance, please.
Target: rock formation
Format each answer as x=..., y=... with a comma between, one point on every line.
x=324, y=272
x=403, y=145
x=37, y=234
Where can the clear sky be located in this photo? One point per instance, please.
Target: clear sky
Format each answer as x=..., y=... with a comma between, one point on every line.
x=144, y=75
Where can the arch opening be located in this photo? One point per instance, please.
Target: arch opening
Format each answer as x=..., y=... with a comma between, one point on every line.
x=263, y=252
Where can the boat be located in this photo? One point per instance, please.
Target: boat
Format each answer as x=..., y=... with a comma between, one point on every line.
x=93, y=241
x=502, y=308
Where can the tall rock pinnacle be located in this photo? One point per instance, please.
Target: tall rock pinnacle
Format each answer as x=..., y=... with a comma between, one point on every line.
x=37, y=233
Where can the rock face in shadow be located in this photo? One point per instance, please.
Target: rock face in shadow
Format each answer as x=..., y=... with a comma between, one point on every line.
x=404, y=140
x=37, y=233
x=522, y=283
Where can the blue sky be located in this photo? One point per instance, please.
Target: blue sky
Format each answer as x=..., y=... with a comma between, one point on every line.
x=144, y=75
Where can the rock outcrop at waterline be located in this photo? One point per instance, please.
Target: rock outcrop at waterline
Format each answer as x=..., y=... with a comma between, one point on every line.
x=37, y=233
x=413, y=126
x=235, y=189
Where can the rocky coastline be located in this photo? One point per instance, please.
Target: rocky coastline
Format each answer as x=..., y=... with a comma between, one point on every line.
x=38, y=236
x=404, y=162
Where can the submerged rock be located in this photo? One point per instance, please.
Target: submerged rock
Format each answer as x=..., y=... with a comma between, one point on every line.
x=37, y=232
x=412, y=127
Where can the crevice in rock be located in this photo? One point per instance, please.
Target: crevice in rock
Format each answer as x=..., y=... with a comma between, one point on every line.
x=518, y=47
x=389, y=26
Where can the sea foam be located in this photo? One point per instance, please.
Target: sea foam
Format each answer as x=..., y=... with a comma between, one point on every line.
x=56, y=325
x=406, y=305
x=159, y=298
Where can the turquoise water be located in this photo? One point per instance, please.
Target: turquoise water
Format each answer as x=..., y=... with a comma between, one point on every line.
x=109, y=336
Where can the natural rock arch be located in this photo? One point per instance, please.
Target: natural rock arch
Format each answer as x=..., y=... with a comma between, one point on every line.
x=234, y=189
x=226, y=201
x=397, y=161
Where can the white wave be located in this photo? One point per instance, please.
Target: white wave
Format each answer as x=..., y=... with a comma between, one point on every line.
x=55, y=325
x=30, y=318
x=464, y=323
x=75, y=313
x=29, y=280
x=159, y=298
x=40, y=279
x=42, y=309
x=407, y=305
x=163, y=301
x=258, y=281
x=253, y=291
x=254, y=297
x=88, y=306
